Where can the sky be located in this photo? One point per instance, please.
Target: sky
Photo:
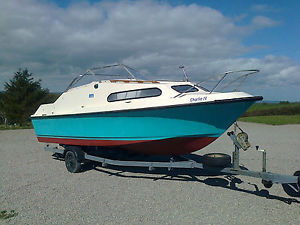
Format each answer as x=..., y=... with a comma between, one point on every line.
x=57, y=40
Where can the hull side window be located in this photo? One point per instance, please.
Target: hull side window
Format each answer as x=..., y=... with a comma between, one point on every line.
x=134, y=94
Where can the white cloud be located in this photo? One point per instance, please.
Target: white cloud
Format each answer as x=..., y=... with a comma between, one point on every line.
x=263, y=8
x=56, y=44
x=263, y=21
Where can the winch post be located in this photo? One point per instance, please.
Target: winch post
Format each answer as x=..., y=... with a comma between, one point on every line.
x=236, y=153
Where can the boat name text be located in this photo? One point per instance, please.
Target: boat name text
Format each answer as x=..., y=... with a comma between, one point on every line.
x=199, y=99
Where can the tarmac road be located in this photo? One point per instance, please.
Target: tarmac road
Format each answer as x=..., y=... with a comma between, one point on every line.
x=41, y=190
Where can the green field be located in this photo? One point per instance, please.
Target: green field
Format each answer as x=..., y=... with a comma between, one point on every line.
x=274, y=114
x=273, y=120
x=265, y=109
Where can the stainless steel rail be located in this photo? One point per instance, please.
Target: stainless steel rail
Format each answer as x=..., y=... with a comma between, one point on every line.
x=91, y=71
x=242, y=78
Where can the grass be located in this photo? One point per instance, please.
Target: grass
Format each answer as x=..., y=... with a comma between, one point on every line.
x=273, y=120
x=274, y=114
x=6, y=215
x=262, y=106
x=264, y=109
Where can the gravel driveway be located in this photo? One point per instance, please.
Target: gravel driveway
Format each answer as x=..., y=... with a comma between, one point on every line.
x=41, y=191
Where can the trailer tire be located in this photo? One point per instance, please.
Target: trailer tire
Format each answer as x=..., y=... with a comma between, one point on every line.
x=77, y=151
x=216, y=160
x=71, y=161
x=267, y=183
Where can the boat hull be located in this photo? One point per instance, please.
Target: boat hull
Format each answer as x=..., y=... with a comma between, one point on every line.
x=171, y=130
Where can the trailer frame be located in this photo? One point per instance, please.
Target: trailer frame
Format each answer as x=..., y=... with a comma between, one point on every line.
x=290, y=183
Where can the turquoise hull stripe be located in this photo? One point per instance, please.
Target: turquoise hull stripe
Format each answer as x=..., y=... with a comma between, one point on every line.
x=201, y=120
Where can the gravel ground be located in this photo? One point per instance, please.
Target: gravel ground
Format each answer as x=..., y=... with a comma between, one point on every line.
x=41, y=190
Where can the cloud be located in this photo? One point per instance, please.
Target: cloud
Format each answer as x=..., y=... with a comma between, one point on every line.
x=263, y=8
x=263, y=21
x=58, y=43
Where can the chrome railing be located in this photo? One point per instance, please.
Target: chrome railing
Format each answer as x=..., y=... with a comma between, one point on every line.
x=92, y=71
x=242, y=79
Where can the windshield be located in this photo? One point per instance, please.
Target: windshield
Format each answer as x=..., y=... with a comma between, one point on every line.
x=184, y=88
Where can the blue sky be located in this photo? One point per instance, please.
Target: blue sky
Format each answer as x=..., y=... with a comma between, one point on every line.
x=282, y=39
x=56, y=40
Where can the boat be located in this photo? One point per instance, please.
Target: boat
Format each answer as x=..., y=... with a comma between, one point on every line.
x=156, y=117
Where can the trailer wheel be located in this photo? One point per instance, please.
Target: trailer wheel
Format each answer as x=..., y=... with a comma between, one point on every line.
x=71, y=161
x=267, y=184
x=216, y=160
x=293, y=190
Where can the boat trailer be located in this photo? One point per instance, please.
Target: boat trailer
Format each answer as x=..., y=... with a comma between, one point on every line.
x=218, y=163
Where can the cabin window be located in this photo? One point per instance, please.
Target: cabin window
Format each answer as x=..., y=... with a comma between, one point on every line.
x=134, y=94
x=184, y=88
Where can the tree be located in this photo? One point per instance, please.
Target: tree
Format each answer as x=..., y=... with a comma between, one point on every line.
x=2, y=116
x=21, y=97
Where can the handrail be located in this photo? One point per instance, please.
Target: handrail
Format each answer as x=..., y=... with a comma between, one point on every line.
x=237, y=71
x=243, y=77
x=91, y=72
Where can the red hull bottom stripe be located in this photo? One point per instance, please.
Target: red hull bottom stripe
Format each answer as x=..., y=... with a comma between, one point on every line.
x=86, y=142
x=170, y=146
